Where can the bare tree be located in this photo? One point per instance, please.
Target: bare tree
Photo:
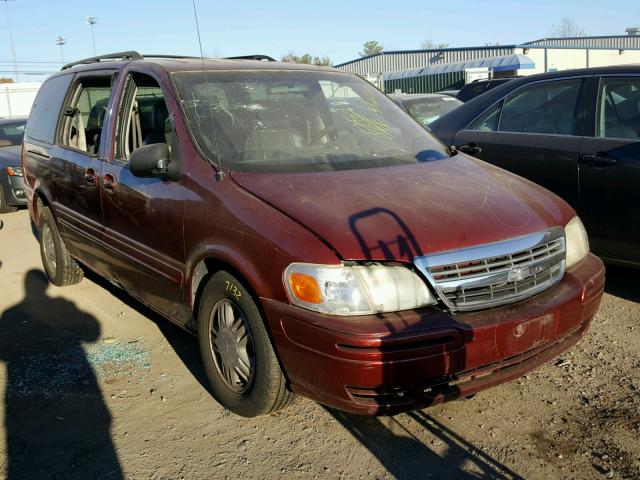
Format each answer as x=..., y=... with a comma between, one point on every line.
x=429, y=45
x=371, y=48
x=567, y=28
x=308, y=59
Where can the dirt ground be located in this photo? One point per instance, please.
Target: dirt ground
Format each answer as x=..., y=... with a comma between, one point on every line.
x=96, y=386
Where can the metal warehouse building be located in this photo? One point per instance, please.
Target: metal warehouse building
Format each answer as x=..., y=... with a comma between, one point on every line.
x=425, y=71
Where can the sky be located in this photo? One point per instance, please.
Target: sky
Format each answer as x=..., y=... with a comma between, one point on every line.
x=337, y=28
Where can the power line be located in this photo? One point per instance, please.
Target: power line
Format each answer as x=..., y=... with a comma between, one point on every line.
x=28, y=63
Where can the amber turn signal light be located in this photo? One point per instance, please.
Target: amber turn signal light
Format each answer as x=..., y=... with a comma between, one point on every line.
x=305, y=288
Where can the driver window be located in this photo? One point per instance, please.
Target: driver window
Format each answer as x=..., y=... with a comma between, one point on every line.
x=619, y=108
x=144, y=117
x=548, y=108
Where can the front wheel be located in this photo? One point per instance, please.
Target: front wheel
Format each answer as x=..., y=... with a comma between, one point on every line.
x=236, y=350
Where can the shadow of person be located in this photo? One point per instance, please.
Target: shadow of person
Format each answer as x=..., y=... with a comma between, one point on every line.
x=57, y=425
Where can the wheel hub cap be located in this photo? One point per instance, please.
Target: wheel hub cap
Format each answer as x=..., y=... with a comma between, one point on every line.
x=232, y=345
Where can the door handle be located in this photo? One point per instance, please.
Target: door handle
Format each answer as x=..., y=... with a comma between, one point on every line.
x=109, y=182
x=471, y=149
x=597, y=160
x=90, y=177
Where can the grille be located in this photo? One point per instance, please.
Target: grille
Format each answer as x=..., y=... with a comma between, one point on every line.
x=496, y=274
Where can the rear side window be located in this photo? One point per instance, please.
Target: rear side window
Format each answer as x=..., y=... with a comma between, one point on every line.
x=84, y=116
x=548, y=108
x=45, y=110
x=619, y=108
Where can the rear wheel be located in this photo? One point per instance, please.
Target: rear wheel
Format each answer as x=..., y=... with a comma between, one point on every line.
x=60, y=267
x=4, y=207
x=236, y=350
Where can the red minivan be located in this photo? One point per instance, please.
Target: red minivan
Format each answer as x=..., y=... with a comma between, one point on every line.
x=316, y=239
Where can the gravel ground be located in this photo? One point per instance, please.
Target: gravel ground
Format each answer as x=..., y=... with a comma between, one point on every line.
x=97, y=386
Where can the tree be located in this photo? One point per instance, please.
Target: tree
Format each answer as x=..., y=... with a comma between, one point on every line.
x=429, y=45
x=371, y=48
x=308, y=59
x=567, y=28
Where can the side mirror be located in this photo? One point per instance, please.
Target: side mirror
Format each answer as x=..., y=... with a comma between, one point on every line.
x=153, y=161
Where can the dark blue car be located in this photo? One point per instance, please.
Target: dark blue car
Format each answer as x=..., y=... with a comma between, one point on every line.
x=11, y=180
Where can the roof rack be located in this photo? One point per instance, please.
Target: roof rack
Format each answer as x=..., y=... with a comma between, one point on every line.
x=264, y=58
x=133, y=55
x=177, y=57
x=130, y=55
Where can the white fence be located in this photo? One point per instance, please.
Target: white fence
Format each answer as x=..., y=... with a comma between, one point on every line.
x=16, y=98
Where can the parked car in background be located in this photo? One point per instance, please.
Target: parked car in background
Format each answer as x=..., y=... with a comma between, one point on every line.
x=315, y=238
x=451, y=93
x=478, y=87
x=12, y=193
x=575, y=132
x=425, y=107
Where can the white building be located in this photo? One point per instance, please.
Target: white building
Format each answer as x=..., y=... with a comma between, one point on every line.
x=16, y=98
x=424, y=71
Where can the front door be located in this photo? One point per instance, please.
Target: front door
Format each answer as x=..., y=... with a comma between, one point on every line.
x=534, y=132
x=143, y=217
x=610, y=171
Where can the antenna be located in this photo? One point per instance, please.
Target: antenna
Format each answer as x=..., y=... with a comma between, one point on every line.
x=219, y=173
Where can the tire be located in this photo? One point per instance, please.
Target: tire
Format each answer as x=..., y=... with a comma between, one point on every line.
x=236, y=350
x=4, y=207
x=60, y=267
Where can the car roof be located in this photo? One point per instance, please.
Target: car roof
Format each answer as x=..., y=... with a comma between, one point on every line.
x=414, y=96
x=13, y=119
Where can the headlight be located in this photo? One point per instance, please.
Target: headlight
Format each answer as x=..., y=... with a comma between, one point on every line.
x=577, y=241
x=355, y=290
x=14, y=171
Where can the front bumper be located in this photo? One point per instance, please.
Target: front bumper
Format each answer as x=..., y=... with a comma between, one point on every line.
x=14, y=191
x=385, y=364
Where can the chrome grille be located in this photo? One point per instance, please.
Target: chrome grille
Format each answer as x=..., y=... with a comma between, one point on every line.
x=498, y=273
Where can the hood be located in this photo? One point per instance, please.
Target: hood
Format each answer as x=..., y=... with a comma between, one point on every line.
x=10, y=155
x=398, y=213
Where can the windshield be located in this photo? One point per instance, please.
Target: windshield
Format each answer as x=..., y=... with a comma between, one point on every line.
x=299, y=121
x=427, y=110
x=11, y=133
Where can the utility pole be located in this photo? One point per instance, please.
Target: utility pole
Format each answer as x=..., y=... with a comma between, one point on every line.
x=13, y=49
x=92, y=21
x=60, y=42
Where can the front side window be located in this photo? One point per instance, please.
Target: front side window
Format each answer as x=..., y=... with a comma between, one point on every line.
x=298, y=121
x=619, y=108
x=547, y=107
x=488, y=121
x=84, y=115
x=143, y=118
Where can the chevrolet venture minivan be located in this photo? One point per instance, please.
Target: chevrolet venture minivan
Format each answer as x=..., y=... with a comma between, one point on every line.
x=316, y=239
